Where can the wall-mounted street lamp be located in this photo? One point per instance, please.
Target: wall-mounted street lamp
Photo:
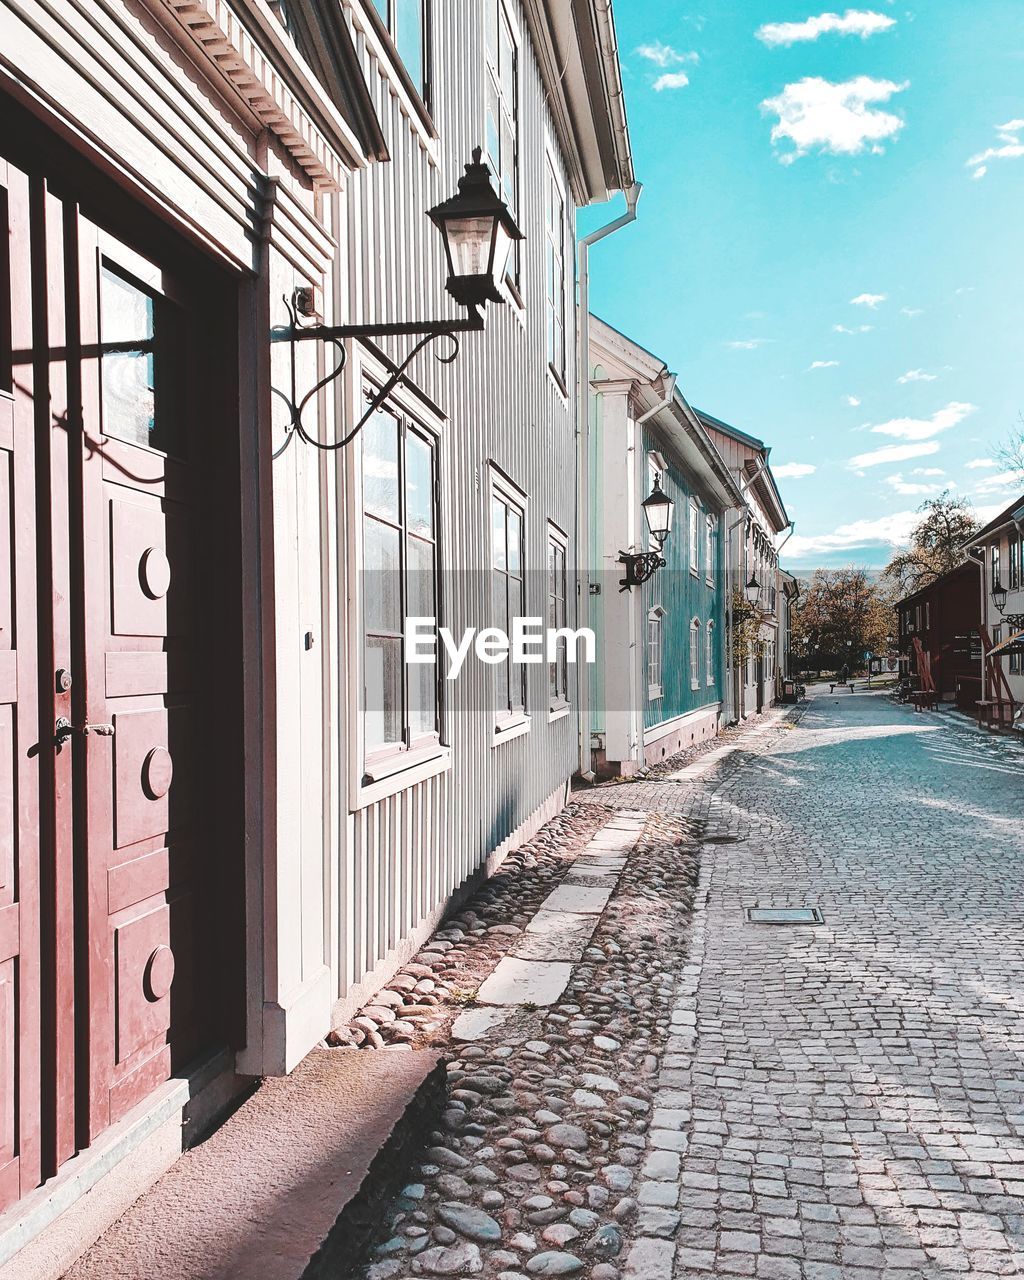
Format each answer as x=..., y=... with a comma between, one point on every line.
x=478, y=231
x=752, y=590
x=658, y=509
x=999, y=597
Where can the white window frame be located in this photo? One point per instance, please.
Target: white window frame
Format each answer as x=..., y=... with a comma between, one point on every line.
x=696, y=633
x=492, y=79
x=387, y=772
x=555, y=240
x=710, y=532
x=512, y=721
x=694, y=538
x=655, y=653
x=558, y=699
x=709, y=654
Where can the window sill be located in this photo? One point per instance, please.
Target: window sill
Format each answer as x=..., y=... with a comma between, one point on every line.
x=559, y=382
x=558, y=711
x=709, y=582
x=506, y=730
x=399, y=770
x=695, y=572
x=654, y=692
x=694, y=684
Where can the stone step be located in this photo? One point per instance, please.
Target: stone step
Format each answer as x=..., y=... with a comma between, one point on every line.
x=291, y=1185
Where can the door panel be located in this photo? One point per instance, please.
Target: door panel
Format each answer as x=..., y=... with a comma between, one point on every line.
x=20, y=1029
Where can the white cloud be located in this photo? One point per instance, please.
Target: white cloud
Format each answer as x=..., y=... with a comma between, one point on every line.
x=928, y=471
x=921, y=428
x=823, y=364
x=852, y=401
x=916, y=375
x=981, y=464
x=1002, y=480
x=794, y=470
x=911, y=311
x=815, y=114
x=854, y=22
x=747, y=344
x=894, y=453
x=671, y=80
x=872, y=300
x=887, y=531
x=1011, y=147
x=910, y=487
x=663, y=55
x=860, y=328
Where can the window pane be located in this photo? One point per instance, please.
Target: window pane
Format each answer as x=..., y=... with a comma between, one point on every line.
x=491, y=29
x=408, y=36
x=382, y=8
x=515, y=541
x=127, y=378
x=381, y=577
x=507, y=63
x=420, y=578
x=498, y=555
x=380, y=466
x=383, y=691
x=419, y=498
x=491, y=137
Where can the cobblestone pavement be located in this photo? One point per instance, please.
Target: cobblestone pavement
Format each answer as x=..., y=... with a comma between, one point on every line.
x=714, y=1097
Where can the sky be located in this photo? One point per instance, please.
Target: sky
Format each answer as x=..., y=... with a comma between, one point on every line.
x=830, y=245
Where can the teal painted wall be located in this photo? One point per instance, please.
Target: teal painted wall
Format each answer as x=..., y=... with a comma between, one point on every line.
x=684, y=596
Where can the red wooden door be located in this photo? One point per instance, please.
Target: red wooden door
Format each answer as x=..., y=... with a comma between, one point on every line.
x=108, y=763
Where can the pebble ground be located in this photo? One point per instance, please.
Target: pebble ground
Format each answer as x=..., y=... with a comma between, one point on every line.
x=714, y=1097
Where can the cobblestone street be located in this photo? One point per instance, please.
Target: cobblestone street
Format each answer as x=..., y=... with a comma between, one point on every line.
x=795, y=1102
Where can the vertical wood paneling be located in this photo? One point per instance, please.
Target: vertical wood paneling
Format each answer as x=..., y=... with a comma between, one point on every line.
x=409, y=852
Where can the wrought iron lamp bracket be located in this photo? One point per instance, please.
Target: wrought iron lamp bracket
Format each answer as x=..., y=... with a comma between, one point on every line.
x=640, y=566
x=295, y=331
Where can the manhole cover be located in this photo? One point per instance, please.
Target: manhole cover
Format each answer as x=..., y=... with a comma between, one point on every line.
x=784, y=915
x=722, y=839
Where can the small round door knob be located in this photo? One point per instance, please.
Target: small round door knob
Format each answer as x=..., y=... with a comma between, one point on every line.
x=157, y=772
x=159, y=973
x=155, y=572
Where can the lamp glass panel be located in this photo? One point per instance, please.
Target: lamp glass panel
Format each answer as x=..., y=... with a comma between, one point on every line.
x=469, y=244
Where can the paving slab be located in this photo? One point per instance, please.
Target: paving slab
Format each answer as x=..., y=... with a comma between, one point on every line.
x=517, y=981
x=555, y=935
x=581, y=899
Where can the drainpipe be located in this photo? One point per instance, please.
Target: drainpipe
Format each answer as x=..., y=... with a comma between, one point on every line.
x=668, y=382
x=792, y=526
x=733, y=671
x=583, y=465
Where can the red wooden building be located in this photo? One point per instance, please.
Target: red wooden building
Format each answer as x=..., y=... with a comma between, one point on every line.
x=945, y=617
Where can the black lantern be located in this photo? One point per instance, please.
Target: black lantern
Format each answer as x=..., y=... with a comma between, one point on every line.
x=752, y=590
x=658, y=511
x=478, y=233
x=999, y=594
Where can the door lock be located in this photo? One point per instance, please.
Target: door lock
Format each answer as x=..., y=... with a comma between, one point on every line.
x=64, y=729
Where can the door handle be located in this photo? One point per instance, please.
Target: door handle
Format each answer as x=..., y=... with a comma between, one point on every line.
x=63, y=730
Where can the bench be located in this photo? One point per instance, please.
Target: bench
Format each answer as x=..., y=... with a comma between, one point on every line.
x=924, y=699
x=841, y=684
x=994, y=712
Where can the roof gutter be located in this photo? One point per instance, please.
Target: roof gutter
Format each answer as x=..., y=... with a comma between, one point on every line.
x=583, y=464
x=617, y=99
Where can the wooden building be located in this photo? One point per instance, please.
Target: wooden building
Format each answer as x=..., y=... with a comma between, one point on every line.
x=657, y=685
x=234, y=811
x=756, y=665
x=1000, y=544
x=945, y=618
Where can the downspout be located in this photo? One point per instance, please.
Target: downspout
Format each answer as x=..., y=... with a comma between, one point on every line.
x=732, y=683
x=792, y=526
x=583, y=465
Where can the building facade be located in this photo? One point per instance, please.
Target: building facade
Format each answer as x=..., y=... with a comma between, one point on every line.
x=945, y=617
x=1000, y=547
x=244, y=809
x=753, y=615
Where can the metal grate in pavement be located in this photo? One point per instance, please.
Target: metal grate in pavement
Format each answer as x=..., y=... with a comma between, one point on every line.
x=784, y=915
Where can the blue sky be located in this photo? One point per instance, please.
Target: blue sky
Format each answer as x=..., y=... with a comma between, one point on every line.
x=850, y=290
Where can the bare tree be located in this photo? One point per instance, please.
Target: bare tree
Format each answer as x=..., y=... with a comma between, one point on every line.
x=1011, y=454
x=936, y=543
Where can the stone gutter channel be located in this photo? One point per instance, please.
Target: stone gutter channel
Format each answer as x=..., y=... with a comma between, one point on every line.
x=558, y=1152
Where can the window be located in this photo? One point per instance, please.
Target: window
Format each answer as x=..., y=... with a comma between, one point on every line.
x=709, y=654
x=694, y=544
x=695, y=654
x=996, y=558
x=655, y=687
x=501, y=128
x=709, y=549
x=558, y=671
x=554, y=204
x=508, y=522
x=997, y=636
x=399, y=580
x=407, y=22
x=1015, y=566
